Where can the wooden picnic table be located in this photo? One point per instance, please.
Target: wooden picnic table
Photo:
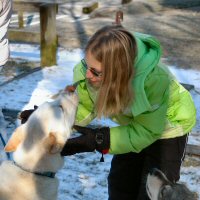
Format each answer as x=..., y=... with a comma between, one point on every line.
x=48, y=36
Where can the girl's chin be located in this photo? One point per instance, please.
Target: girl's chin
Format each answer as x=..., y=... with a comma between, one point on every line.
x=95, y=84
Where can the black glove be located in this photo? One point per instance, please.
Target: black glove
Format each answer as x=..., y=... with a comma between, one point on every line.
x=90, y=140
x=24, y=115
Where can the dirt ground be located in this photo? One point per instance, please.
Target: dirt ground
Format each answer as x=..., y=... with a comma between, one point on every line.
x=178, y=29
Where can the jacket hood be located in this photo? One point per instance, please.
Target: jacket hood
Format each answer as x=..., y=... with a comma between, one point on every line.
x=148, y=57
x=148, y=52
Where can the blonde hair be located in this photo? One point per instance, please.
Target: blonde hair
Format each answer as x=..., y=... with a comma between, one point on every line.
x=115, y=48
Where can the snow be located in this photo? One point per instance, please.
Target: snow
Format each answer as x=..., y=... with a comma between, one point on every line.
x=83, y=176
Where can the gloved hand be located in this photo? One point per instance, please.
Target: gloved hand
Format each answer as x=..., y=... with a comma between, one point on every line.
x=90, y=140
x=24, y=115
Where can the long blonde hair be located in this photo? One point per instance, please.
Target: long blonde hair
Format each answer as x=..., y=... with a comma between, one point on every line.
x=115, y=48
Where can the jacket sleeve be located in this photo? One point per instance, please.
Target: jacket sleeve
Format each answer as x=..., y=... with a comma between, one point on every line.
x=148, y=126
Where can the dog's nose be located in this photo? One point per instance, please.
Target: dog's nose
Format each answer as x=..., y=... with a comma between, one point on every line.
x=70, y=88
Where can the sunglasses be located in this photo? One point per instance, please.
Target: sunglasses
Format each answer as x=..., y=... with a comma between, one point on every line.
x=93, y=71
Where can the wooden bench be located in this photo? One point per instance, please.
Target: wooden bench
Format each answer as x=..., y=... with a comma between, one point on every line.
x=48, y=36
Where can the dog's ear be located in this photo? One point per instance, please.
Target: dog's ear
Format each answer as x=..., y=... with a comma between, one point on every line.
x=15, y=139
x=53, y=145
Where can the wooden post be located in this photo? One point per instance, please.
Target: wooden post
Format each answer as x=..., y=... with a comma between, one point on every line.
x=20, y=19
x=48, y=48
x=119, y=17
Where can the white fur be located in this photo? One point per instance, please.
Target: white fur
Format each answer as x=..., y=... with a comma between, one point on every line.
x=153, y=186
x=41, y=138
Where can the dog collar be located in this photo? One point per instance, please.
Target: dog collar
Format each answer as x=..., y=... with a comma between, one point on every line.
x=47, y=174
x=4, y=144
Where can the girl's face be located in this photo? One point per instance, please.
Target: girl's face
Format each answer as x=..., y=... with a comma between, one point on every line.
x=94, y=70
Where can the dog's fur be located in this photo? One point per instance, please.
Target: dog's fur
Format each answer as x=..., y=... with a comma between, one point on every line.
x=158, y=187
x=37, y=145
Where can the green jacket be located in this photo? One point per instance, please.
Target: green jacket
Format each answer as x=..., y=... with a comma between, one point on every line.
x=161, y=108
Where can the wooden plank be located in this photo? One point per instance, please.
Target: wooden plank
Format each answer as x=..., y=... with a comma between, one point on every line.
x=48, y=35
x=193, y=149
x=125, y=1
x=42, y=1
x=90, y=7
x=33, y=6
x=25, y=7
x=23, y=36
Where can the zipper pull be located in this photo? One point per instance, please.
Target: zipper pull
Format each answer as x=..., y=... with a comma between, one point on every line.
x=102, y=158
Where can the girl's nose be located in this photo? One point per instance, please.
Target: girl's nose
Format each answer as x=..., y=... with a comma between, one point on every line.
x=89, y=74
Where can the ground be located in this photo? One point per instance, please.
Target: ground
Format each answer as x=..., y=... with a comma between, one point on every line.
x=176, y=28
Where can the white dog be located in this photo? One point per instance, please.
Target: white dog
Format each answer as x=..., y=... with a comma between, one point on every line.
x=37, y=145
x=158, y=187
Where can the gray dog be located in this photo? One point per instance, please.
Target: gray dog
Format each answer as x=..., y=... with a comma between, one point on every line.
x=160, y=188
